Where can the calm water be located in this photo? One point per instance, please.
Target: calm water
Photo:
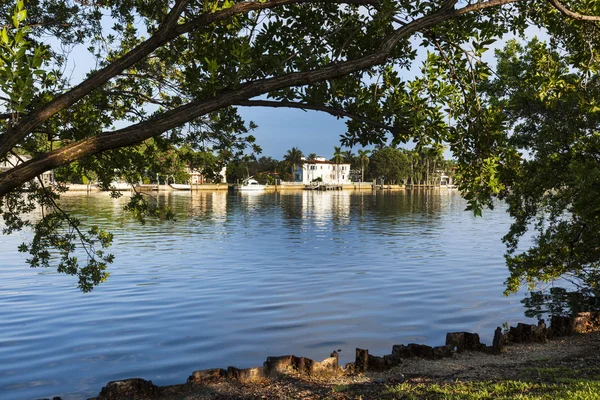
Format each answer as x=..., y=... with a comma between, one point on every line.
x=237, y=278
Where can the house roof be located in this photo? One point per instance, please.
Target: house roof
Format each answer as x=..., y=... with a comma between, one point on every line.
x=323, y=162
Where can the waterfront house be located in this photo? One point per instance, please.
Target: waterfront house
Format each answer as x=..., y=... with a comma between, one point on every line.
x=320, y=169
x=198, y=178
x=12, y=161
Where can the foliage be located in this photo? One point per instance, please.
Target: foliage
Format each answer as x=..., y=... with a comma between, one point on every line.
x=264, y=169
x=177, y=72
x=293, y=158
x=420, y=166
x=390, y=165
x=338, y=155
x=363, y=157
x=18, y=65
x=553, y=189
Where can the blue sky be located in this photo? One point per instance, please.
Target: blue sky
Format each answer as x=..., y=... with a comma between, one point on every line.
x=281, y=129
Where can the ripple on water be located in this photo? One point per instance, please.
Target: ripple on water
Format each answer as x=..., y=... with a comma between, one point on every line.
x=235, y=279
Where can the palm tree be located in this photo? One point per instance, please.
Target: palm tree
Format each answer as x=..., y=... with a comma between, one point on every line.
x=312, y=157
x=349, y=157
x=415, y=168
x=363, y=156
x=437, y=154
x=293, y=158
x=338, y=158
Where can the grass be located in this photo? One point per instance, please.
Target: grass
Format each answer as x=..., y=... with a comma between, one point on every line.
x=562, y=374
x=567, y=389
x=341, y=388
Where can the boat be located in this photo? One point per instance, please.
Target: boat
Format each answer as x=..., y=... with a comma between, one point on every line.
x=117, y=186
x=176, y=186
x=180, y=186
x=250, y=185
x=120, y=186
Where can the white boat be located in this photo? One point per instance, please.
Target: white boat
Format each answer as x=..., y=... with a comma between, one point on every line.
x=250, y=185
x=119, y=186
x=175, y=186
x=180, y=186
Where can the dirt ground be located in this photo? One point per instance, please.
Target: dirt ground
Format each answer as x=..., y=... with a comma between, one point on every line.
x=518, y=361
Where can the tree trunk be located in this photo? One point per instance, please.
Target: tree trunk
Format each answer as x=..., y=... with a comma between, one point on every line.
x=178, y=116
x=362, y=171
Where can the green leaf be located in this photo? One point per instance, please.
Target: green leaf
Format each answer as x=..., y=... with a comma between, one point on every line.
x=4, y=36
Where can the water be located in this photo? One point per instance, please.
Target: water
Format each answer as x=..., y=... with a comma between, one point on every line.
x=237, y=278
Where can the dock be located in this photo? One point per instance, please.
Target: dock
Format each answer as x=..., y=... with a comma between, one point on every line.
x=324, y=186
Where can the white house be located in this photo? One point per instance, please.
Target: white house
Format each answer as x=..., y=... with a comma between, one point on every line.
x=320, y=167
x=12, y=161
x=196, y=177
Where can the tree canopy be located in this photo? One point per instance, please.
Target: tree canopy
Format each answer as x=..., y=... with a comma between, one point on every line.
x=293, y=158
x=178, y=71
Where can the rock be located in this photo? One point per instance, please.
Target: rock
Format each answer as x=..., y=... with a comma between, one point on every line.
x=377, y=363
x=278, y=364
x=135, y=388
x=420, y=350
x=442, y=352
x=349, y=368
x=302, y=365
x=586, y=322
x=522, y=333
x=412, y=350
x=401, y=351
x=399, y=378
x=328, y=364
x=361, y=363
x=540, y=333
x=391, y=360
x=367, y=362
x=206, y=375
x=561, y=325
x=305, y=365
x=245, y=375
x=464, y=341
x=500, y=340
x=232, y=373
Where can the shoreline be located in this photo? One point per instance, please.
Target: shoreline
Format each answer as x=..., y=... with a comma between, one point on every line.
x=463, y=358
x=218, y=187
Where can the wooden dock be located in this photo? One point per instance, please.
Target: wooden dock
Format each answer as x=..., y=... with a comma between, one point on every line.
x=324, y=186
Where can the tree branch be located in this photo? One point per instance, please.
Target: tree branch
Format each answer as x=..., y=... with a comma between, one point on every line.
x=137, y=133
x=572, y=14
x=330, y=110
x=12, y=136
x=168, y=31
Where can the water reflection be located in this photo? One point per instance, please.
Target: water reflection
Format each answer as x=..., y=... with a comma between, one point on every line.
x=210, y=205
x=320, y=208
x=238, y=277
x=560, y=301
